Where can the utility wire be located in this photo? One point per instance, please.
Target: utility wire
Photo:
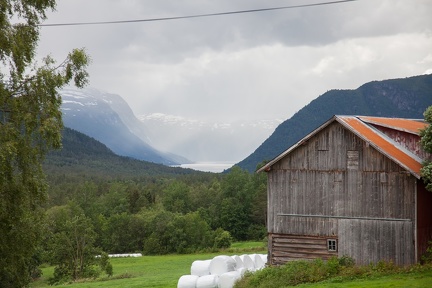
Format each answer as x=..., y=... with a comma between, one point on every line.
x=195, y=16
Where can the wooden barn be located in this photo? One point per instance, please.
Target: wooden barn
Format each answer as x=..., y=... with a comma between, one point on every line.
x=351, y=187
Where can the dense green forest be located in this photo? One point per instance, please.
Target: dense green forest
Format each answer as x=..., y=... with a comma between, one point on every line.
x=121, y=205
x=406, y=98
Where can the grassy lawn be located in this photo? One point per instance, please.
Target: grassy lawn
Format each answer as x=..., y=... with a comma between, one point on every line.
x=152, y=271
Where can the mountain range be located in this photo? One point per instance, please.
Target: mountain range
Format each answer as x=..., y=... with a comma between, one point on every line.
x=171, y=140
x=404, y=98
x=109, y=119
x=157, y=137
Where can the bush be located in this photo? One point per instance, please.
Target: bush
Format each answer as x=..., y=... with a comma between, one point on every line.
x=222, y=239
x=105, y=264
x=426, y=258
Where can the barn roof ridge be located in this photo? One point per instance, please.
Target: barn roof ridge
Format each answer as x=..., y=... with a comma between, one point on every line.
x=363, y=127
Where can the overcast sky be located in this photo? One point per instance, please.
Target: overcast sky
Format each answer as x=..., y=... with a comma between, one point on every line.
x=263, y=65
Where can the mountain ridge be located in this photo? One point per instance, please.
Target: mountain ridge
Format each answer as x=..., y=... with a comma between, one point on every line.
x=108, y=118
x=84, y=156
x=404, y=97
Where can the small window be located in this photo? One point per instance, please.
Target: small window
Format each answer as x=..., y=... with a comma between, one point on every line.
x=332, y=245
x=352, y=159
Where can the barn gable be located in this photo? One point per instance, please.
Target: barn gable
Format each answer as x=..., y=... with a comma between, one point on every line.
x=348, y=188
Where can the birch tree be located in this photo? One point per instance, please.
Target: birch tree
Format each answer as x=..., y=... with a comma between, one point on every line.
x=30, y=125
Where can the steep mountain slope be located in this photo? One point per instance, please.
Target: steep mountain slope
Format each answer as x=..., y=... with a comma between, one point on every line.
x=108, y=118
x=82, y=156
x=407, y=98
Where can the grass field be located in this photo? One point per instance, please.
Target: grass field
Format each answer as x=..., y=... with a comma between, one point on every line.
x=164, y=271
x=152, y=271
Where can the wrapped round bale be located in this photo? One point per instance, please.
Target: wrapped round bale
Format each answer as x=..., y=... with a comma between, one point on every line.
x=222, y=264
x=208, y=281
x=242, y=271
x=239, y=261
x=227, y=280
x=187, y=281
x=259, y=262
x=200, y=267
x=248, y=262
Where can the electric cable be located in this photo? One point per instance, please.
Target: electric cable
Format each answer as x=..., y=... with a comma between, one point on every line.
x=194, y=16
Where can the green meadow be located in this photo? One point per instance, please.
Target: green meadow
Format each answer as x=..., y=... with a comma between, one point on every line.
x=151, y=271
x=165, y=270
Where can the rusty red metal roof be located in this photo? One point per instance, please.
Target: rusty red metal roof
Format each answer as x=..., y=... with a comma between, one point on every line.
x=382, y=143
x=362, y=126
x=407, y=125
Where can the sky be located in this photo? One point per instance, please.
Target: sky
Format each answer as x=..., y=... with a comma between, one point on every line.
x=244, y=66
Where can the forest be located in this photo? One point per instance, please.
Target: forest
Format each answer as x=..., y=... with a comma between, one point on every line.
x=100, y=203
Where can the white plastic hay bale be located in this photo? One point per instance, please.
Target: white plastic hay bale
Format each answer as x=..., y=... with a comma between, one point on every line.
x=242, y=271
x=208, y=281
x=248, y=262
x=187, y=281
x=222, y=264
x=200, y=267
x=227, y=280
x=259, y=262
x=239, y=261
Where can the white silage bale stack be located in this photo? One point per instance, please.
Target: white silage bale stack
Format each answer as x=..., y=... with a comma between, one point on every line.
x=208, y=281
x=200, y=267
x=222, y=264
x=248, y=262
x=227, y=280
x=187, y=281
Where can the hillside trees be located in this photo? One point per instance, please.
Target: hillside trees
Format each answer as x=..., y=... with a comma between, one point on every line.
x=163, y=215
x=30, y=125
x=426, y=141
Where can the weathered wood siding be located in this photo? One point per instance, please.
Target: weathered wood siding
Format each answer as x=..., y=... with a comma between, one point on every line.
x=290, y=247
x=369, y=241
x=336, y=174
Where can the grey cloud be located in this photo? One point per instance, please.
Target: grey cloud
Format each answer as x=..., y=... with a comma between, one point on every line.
x=243, y=65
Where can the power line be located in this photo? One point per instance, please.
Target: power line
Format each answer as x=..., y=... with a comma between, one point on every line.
x=195, y=16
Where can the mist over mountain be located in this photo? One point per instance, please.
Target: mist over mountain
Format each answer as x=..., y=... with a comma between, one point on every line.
x=405, y=98
x=157, y=137
x=107, y=118
x=171, y=140
x=203, y=141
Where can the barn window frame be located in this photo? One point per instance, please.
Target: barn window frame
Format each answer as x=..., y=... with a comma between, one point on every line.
x=332, y=245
